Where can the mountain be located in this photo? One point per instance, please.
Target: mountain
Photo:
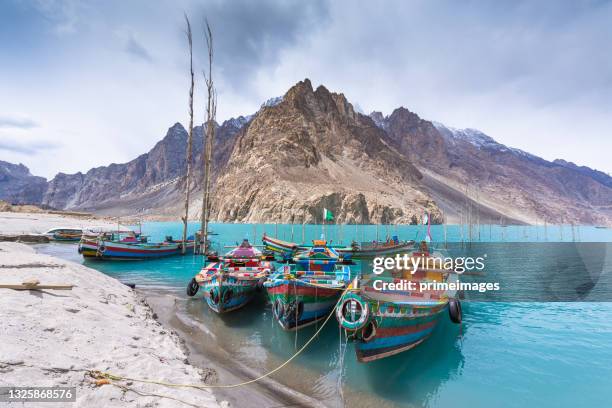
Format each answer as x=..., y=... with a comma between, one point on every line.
x=310, y=149
x=150, y=184
x=494, y=180
x=19, y=186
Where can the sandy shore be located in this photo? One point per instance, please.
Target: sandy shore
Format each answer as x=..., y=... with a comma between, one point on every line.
x=39, y=223
x=52, y=338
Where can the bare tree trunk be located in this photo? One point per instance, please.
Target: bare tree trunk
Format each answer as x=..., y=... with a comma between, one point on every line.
x=211, y=113
x=189, y=138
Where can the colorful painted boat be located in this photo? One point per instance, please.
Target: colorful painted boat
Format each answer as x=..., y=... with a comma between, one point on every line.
x=377, y=248
x=306, y=291
x=284, y=248
x=357, y=250
x=65, y=234
x=383, y=323
x=127, y=245
x=231, y=282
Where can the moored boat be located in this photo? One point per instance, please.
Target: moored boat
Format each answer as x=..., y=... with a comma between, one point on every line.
x=377, y=248
x=383, y=322
x=231, y=282
x=307, y=290
x=128, y=245
x=65, y=234
x=284, y=248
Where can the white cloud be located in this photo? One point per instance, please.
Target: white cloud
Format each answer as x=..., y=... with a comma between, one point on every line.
x=531, y=75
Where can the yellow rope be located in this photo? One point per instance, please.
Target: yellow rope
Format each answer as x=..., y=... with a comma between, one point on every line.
x=110, y=376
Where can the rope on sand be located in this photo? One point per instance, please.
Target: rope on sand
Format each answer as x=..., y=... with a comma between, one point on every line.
x=100, y=375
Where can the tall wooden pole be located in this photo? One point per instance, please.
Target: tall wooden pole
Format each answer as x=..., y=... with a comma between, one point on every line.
x=211, y=112
x=189, y=137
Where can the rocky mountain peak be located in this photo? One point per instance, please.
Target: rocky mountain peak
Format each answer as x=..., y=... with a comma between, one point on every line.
x=403, y=117
x=18, y=185
x=379, y=119
x=299, y=91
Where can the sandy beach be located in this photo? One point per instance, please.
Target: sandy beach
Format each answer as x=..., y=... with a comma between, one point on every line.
x=40, y=222
x=53, y=338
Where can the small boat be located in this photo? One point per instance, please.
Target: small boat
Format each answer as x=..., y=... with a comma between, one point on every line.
x=128, y=245
x=383, y=323
x=284, y=248
x=65, y=234
x=307, y=290
x=231, y=282
x=376, y=248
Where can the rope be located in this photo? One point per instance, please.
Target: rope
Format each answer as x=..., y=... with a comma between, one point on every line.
x=103, y=374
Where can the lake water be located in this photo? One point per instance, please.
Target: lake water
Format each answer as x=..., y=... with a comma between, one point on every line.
x=507, y=354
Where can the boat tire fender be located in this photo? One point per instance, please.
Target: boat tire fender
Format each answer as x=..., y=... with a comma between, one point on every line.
x=294, y=311
x=369, y=331
x=227, y=296
x=192, y=287
x=214, y=297
x=454, y=311
x=278, y=309
x=343, y=312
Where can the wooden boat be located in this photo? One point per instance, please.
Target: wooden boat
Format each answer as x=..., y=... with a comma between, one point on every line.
x=284, y=248
x=377, y=248
x=231, y=282
x=65, y=234
x=355, y=251
x=306, y=291
x=128, y=245
x=383, y=323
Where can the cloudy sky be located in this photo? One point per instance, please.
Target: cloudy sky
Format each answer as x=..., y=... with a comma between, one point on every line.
x=84, y=84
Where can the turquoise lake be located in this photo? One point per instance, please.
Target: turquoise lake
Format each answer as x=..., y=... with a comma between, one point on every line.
x=505, y=354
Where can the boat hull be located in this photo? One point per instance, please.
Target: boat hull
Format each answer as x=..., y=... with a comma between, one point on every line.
x=129, y=251
x=367, y=253
x=396, y=331
x=229, y=293
x=297, y=304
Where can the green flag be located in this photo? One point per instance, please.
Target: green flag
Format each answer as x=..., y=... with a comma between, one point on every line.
x=327, y=215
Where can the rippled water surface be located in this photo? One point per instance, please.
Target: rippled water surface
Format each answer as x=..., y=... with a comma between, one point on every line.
x=504, y=354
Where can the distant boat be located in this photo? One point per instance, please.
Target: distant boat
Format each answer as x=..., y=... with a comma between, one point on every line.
x=230, y=283
x=376, y=248
x=355, y=251
x=281, y=247
x=307, y=290
x=128, y=245
x=383, y=323
x=64, y=234
x=601, y=226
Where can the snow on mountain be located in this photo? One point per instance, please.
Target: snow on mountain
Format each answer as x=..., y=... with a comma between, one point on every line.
x=272, y=102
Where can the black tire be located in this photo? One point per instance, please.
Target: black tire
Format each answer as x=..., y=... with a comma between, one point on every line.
x=454, y=311
x=214, y=297
x=278, y=309
x=192, y=287
x=293, y=312
x=369, y=331
x=227, y=296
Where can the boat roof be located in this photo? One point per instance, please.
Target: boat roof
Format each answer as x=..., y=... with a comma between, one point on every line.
x=64, y=228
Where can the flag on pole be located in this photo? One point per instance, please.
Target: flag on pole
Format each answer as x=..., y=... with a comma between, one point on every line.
x=426, y=220
x=327, y=215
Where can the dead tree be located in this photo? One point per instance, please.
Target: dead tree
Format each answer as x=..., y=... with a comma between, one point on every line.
x=189, y=137
x=211, y=113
